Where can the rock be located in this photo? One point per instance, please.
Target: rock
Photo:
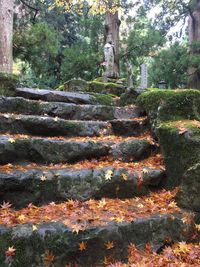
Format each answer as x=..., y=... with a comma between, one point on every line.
x=43, y=150
x=67, y=97
x=188, y=196
x=106, y=88
x=129, y=97
x=76, y=85
x=129, y=127
x=169, y=105
x=63, y=243
x=181, y=150
x=66, y=110
x=23, y=187
x=48, y=126
x=132, y=150
x=8, y=84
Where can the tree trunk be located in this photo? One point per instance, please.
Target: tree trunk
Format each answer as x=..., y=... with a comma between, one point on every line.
x=194, y=37
x=112, y=24
x=6, y=35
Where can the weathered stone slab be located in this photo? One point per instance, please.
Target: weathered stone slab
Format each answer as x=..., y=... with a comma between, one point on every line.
x=44, y=150
x=48, y=126
x=129, y=127
x=189, y=194
x=67, y=97
x=66, y=110
x=63, y=243
x=39, y=186
x=49, y=151
x=132, y=150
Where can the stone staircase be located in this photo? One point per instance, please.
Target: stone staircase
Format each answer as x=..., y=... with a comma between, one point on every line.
x=84, y=180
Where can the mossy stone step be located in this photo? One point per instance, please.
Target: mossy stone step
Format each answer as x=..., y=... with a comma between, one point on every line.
x=37, y=186
x=180, y=143
x=44, y=150
x=64, y=244
x=49, y=126
x=66, y=110
x=67, y=97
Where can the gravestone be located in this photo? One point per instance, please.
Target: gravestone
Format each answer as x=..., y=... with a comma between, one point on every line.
x=144, y=76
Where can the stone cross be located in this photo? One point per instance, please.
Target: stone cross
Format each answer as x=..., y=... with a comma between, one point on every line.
x=144, y=76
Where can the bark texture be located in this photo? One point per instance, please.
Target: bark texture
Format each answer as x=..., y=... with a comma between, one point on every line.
x=112, y=25
x=6, y=35
x=194, y=36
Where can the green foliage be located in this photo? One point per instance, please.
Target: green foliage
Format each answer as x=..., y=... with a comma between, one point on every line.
x=79, y=62
x=39, y=46
x=170, y=64
x=143, y=41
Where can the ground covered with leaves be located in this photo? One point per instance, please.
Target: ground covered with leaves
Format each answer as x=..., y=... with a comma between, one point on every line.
x=179, y=255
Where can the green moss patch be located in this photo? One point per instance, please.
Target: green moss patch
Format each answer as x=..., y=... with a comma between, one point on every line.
x=7, y=84
x=106, y=88
x=163, y=105
x=180, y=143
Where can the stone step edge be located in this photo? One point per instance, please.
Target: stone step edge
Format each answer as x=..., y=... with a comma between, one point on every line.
x=44, y=150
x=40, y=187
x=154, y=230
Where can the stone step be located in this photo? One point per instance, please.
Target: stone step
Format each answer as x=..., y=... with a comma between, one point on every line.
x=42, y=185
x=90, y=233
x=66, y=97
x=20, y=105
x=48, y=126
x=44, y=150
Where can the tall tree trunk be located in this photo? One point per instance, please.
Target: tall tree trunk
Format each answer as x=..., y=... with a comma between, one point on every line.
x=112, y=25
x=6, y=35
x=194, y=37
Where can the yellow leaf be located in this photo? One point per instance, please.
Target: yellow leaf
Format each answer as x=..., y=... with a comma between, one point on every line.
x=43, y=178
x=21, y=217
x=197, y=226
x=109, y=175
x=34, y=228
x=124, y=177
x=11, y=140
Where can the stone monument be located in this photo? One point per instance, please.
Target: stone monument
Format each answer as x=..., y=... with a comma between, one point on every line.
x=109, y=54
x=130, y=74
x=144, y=77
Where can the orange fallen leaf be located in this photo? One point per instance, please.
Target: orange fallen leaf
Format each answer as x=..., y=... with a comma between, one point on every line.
x=10, y=252
x=82, y=246
x=49, y=257
x=109, y=245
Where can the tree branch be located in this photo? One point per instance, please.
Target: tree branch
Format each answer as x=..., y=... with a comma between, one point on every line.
x=31, y=7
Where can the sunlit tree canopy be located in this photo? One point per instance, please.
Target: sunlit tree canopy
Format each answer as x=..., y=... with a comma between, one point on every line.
x=96, y=7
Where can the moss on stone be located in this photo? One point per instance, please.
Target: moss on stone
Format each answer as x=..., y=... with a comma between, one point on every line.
x=104, y=99
x=7, y=84
x=181, y=151
x=163, y=105
x=106, y=88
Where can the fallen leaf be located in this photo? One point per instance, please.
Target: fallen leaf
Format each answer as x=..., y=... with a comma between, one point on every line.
x=11, y=140
x=82, y=246
x=10, y=252
x=109, y=245
x=109, y=175
x=43, y=178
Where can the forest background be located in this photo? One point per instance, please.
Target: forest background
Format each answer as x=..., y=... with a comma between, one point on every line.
x=52, y=46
